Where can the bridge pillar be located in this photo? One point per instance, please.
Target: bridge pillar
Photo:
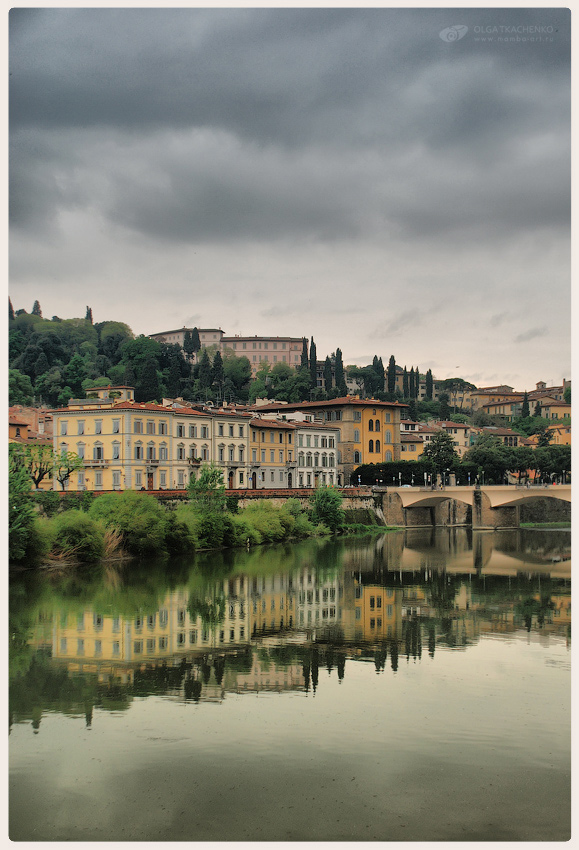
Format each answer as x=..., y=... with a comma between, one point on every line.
x=484, y=516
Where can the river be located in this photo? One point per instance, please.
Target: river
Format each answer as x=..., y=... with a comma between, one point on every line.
x=410, y=686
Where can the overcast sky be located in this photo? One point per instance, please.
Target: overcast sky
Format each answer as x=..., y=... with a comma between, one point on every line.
x=347, y=174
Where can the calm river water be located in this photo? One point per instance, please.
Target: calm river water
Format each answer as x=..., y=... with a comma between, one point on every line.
x=412, y=686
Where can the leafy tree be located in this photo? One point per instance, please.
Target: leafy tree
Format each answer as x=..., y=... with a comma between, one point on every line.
x=429, y=386
x=545, y=437
x=207, y=491
x=313, y=364
x=38, y=461
x=327, y=508
x=391, y=374
x=443, y=400
x=567, y=394
x=490, y=456
x=36, y=311
x=440, y=451
x=339, y=374
x=21, y=511
x=525, y=411
x=238, y=371
x=327, y=374
x=20, y=388
x=74, y=375
x=65, y=463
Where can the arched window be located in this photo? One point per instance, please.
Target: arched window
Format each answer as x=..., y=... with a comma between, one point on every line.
x=356, y=435
x=387, y=437
x=371, y=446
x=370, y=425
x=388, y=456
x=357, y=457
x=377, y=445
x=377, y=427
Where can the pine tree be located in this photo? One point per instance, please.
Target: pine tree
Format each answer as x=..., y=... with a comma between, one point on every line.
x=391, y=374
x=36, y=311
x=525, y=410
x=10, y=310
x=313, y=364
x=196, y=342
x=339, y=373
x=305, y=363
x=327, y=374
x=88, y=316
x=429, y=385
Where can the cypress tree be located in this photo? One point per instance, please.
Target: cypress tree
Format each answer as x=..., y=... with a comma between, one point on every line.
x=10, y=310
x=405, y=384
x=339, y=373
x=196, y=342
x=411, y=383
x=130, y=378
x=313, y=364
x=429, y=385
x=537, y=411
x=391, y=374
x=148, y=387
x=88, y=316
x=416, y=382
x=305, y=362
x=188, y=343
x=525, y=410
x=36, y=311
x=217, y=372
x=327, y=374
x=204, y=370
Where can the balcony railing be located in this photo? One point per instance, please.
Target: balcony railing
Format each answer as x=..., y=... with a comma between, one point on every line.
x=92, y=462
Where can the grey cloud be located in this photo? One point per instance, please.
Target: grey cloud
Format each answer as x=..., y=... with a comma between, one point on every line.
x=532, y=333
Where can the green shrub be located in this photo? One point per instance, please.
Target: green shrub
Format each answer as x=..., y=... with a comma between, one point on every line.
x=327, y=507
x=265, y=517
x=179, y=538
x=48, y=500
x=244, y=531
x=79, y=536
x=139, y=517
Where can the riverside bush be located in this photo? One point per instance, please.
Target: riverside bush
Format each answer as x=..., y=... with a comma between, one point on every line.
x=265, y=518
x=141, y=520
x=78, y=536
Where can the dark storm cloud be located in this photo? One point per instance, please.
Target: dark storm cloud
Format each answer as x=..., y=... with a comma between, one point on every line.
x=425, y=136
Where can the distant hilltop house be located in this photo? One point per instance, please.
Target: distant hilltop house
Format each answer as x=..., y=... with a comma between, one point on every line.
x=257, y=349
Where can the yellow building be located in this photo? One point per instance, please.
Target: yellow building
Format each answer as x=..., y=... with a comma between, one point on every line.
x=369, y=429
x=131, y=446
x=273, y=454
x=411, y=445
x=378, y=612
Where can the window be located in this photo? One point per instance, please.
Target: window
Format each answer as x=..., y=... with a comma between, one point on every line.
x=221, y=453
x=98, y=481
x=377, y=445
x=192, y=431
x=231, y=430
x=388, y=456
x=98, y=426
x=356, y=435
x=163, y=428
x=80, y=450
x=150, y=427
x=138, y=452
x=164, y=454
x=163, y=481
x=180, y=453
x=80, y=425
x=371, y=445
x=138, y=426
x=116, y=480
x=272, y=456
x=97, y=452
x=80, y=646
x=63, y=429
x=138, y=647
x=263, y=455
x=358, y=457
x=116, y=451
x=377, y=425
x=371, y=425
x=220, y=429
x=387, y=437
x=357, y=416
x=116, y=426
x=271, y=436
x=180, y=430
x=241, y=431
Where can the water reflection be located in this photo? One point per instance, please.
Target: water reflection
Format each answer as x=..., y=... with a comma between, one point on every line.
x=268, y=620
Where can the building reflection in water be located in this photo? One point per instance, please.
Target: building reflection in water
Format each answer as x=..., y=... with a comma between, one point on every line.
x=398, y=595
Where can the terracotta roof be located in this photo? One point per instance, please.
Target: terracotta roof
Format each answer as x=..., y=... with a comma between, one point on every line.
x=410, y=437
x=448, y=424
x=344, y=401
x=271, y=423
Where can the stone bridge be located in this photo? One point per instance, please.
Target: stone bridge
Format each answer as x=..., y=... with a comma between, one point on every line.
x=492, y=506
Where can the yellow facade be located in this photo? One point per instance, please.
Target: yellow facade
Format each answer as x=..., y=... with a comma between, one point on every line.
x=272, y=454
